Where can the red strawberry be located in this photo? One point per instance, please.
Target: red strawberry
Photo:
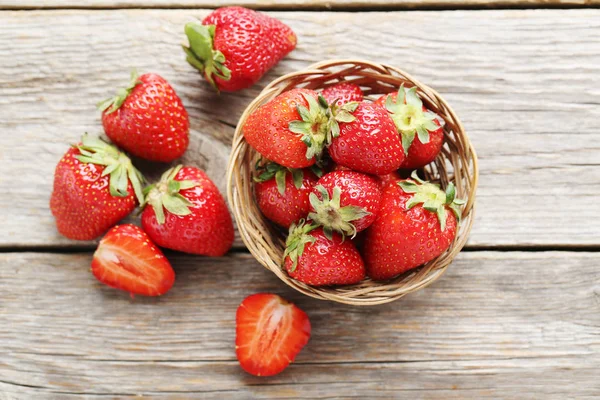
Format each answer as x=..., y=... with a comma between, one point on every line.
x=282, y=193
x=312, y=258
x=367, y=140
x=385, y=179
x=234, y=46
x=126, y=259
x=345, y=201
x=420, y=129
x=416, y=223
x=291, y=129
x=187, y=213
x=147, y=119
x=95, y=186
x=269, y=333
x=342, y=93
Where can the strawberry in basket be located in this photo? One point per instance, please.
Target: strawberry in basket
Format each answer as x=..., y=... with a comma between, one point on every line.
x=282, y=194
x=416, y=223
x=234, y=47
x=420, y=129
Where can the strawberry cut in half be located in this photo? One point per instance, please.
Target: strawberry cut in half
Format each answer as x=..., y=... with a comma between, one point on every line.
x=270, y=332
x=126, y=259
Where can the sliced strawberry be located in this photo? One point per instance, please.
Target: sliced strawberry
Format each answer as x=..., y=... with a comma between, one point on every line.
x=270, y=332
x=126, y=259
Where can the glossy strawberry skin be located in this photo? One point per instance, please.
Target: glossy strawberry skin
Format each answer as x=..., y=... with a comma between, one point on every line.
x=267, y=129
x=357, y=189
x=81, y=201
x=270, y=332
x=152, y=123
x=385, y=179
x=126, y=259
x=343, y=92
x=208, y=230
x=252, y=43
x=292, y=205
x=400, y=239
x=370, y=143
x=327, y=262
x=419, y=154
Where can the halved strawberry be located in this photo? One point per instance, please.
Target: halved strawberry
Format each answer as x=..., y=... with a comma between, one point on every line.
x=126, y=259
x=270, y=332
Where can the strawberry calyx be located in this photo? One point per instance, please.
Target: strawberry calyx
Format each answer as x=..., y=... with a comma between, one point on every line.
x=202, y=55
x=269, y=170
x=118, y=166
x=331, y=216
x=313, y=125
x=112, y=104
x=432, y=197
x=339, y=114
x=165, y=195
x=410, y=119
x=296, y=241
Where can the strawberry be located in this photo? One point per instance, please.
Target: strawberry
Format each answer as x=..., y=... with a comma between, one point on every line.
x=416, y=223
x=342, y=93
x=95, y=186
x=311, y=257
x=282, y=193
x=269, y=333
x=147, y=119
x=385, y=179
x=420, y=129
x=126, y=259
x=366, y=139
x=291, y=129
x=186, y=212
x=346, y=202
x=234, y=46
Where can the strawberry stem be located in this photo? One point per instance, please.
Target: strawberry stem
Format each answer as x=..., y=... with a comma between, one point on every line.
x=165, y=195
x=202, y=55
x=117, y=101
x=118, y=166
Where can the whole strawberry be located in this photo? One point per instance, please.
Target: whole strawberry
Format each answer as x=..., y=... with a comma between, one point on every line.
x=346, y=202
x=416, y=223
x=147, y=119
x=186, y=212
x=342, y=93
x=366, y=140
x=126, y=259
x=291, y=129
x=312, y=258
x=234, y=46
x=95, y=186
x=282, y=193
x=420, y=129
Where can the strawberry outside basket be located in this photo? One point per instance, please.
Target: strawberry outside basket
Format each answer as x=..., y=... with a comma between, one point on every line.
x=456, y=163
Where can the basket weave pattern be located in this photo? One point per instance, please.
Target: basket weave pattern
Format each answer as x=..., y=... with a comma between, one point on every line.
x=457, y=162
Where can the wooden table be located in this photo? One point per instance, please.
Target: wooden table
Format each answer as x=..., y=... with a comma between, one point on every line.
x=516, y=316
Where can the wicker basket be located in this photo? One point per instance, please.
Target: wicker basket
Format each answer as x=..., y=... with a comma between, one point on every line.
x=457, y=163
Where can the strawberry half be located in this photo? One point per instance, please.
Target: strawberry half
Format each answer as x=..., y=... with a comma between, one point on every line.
x=126, y=259
x=95, y=186
x=270, y=332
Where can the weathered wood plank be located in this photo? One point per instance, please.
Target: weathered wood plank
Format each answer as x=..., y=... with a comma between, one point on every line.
x=524, y=83
x=294, y=4
x=497, y=325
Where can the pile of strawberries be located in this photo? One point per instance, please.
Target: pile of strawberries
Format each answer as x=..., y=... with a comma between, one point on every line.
x=331, y=172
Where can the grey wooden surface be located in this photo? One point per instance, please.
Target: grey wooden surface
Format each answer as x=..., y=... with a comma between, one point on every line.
x=517, y=321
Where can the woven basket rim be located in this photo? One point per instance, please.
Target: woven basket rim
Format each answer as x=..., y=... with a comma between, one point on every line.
x=457, y=162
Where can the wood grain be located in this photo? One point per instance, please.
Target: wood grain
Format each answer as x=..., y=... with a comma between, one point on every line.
x=295, y=4
x=524, y=83
x=497, y=325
